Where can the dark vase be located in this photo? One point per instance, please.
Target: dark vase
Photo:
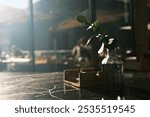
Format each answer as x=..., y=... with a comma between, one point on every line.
x=112, y=70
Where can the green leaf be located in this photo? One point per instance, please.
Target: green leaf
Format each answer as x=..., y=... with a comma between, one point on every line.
x=98, y=33
x=83, y=19
x=97, y=28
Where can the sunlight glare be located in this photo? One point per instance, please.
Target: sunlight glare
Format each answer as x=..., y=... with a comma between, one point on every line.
x=21, y=4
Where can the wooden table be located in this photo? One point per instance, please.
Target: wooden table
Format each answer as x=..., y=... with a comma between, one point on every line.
x=50, y=86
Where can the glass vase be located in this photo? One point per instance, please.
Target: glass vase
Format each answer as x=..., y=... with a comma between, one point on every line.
x=111, y=70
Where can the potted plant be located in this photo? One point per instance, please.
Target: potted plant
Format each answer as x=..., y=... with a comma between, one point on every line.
x=110, y=68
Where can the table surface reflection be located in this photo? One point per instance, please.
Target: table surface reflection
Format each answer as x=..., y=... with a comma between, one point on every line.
x=50, y=86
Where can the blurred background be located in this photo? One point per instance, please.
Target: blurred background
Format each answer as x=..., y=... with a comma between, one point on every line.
x=39, y=35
